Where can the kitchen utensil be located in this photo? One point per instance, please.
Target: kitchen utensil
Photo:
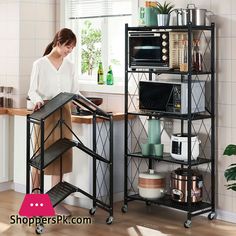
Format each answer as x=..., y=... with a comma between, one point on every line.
x=151, y=184
x=147, y=149
x=179, y=183
x=154, y=134
x=158, y=149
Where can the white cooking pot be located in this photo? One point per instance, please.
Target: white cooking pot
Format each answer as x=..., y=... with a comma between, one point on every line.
x=151, y=184
x=179, y=147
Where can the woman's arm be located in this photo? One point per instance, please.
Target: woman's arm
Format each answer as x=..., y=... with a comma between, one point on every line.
x=33, y=94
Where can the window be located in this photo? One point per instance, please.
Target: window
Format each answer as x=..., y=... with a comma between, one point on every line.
x=99, y=26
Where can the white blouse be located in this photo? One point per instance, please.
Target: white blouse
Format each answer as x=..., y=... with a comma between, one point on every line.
x=47, y=81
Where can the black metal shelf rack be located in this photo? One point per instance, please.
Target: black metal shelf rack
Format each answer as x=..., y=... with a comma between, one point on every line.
x=102, y=154
x=200, y=124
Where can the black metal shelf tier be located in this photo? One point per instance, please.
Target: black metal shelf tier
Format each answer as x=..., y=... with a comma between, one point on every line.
x=167, y=71
x=167, y=158
x=194, y=116
x=52, y=153
x=60, y=191
x=54, y=104
x=167, y=201
x=171, y=27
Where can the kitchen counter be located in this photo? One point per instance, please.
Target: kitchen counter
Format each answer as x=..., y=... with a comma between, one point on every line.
x=75, y=118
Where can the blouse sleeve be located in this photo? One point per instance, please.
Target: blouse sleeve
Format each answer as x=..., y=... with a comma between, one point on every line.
x=75, y=82
x=33, y=90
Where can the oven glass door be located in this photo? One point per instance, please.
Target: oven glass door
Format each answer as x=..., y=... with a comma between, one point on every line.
x=145, y=50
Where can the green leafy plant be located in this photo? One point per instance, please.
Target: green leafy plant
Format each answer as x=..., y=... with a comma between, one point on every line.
x=230, y=172
x=91, y=39
x=166, y=8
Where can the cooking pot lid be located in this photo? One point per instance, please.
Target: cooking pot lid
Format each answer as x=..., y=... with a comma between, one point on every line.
x=151, y=174
x=184, y=172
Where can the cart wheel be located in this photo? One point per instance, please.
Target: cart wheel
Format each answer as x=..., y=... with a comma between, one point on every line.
x=92, y=211
x=124, y=209
x=109, y=220
x=39, y=229
x=148, y=203
x=211, y=215
x=187, y=224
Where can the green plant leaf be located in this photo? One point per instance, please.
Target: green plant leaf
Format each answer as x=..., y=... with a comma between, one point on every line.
x=166, y=8
x=231, y=186
x=230, y=150
x=230, y=173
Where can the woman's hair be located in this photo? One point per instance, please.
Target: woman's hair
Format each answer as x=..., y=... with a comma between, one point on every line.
x=63, y=36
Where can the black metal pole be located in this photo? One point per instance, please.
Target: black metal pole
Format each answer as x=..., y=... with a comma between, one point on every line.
x=61, y=135
x=126, y=118
x=28, y=154
x=189, y=181
x=213, y=116
x=42, y=157
x=111, y=165
x=94, y=161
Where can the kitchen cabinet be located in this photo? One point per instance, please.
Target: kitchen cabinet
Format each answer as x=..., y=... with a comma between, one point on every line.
x=5, y=149
x=199, y=123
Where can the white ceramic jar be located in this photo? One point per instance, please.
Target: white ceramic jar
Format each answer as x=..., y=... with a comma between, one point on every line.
x=151, y=184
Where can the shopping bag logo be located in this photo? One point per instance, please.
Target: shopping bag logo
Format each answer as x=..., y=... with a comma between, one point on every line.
x=36, y=205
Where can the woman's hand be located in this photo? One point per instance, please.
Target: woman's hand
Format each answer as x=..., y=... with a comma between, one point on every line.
x=38, y=105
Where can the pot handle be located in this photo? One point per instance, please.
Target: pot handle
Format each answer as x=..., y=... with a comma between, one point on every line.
x=191, y=4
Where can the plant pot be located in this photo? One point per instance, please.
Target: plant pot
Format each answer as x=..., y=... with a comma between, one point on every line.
x=163, y=19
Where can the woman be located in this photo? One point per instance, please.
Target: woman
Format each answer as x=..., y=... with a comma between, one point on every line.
x=51, y=75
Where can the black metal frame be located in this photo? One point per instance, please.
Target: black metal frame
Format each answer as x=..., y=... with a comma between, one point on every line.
x=192, y=209
x=40, y=161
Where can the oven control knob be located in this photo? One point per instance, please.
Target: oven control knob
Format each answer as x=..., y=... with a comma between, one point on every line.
x=164, y=36
x=164, y=50
x=164, y=58
x=164, y=43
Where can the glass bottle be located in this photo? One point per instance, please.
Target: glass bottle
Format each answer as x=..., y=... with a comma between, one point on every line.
x=197, y=57
x=110, y=78
x=100, y=74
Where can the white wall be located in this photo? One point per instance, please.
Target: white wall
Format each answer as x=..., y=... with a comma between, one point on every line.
x=27, y=26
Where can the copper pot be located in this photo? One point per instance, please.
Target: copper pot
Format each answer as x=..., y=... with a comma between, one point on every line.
x=179, y=183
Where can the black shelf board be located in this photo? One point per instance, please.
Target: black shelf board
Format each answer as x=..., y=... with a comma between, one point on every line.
x=60, y=191
x=167, y=71
x=194, y=116
x=51, y=106
x=170, y=27
x=167, y=201
x=167, y=158
x=52, y=153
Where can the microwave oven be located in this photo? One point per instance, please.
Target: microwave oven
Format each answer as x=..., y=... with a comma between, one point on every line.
x=161, y=50
x=171, y=96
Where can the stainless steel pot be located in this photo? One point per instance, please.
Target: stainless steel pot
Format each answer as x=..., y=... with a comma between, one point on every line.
x=179, y=183
x=191, y=14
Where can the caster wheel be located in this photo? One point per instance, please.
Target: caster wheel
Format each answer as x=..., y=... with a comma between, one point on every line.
x=124, y=209
x=187, y=224
x=39, y=229
x=212, y=215
x=92, y=211
x=148, y=203
x=109, y=220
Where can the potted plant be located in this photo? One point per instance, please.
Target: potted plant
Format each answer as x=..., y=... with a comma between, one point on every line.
x=163, y=13
x=230, y=172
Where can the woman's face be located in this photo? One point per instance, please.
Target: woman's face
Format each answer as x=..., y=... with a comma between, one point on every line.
x=64, y=49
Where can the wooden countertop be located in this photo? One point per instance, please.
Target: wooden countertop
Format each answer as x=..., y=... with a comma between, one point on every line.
x=76, y=119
